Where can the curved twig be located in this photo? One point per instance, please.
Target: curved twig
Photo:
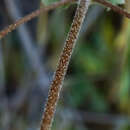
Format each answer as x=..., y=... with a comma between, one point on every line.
x=32, y=15
x=114, y=8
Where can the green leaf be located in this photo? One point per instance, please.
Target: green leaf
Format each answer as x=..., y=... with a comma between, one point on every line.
x=48, y=2
x=115, y=2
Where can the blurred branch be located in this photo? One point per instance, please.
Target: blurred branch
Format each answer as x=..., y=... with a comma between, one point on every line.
x=3, y=97
x=36, y=13
x=31, y=16
x=96, y=11
x=27, y=84
x=2, y=73
x=22, y=93
x=114, y=8
x=27, y=43
x=27, y=87
x=93, y=117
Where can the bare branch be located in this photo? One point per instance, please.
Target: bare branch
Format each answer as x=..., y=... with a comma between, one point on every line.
x=114, y=8
x=29, y=17
x=27, y=44
x=94, y=117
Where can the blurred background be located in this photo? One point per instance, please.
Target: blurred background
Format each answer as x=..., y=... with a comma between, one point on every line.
x=96, y=91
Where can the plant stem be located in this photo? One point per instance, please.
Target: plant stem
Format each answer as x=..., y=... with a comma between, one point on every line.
x=114, y=8
x=59, y=75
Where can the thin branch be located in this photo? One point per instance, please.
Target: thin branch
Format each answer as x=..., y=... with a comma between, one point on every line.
x=2, y=71
x=96, y=11
x=93, y=117
x=114, y=8
x=4, y=106
x=29, y=17
x=27, y=43
x=36, y=13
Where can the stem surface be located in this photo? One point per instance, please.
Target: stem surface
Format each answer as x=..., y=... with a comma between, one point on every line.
x=59, y=75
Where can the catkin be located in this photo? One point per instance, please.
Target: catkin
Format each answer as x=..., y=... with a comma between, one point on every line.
x=59, y=75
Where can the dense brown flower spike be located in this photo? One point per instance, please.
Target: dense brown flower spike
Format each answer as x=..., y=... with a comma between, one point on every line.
x=63, y=65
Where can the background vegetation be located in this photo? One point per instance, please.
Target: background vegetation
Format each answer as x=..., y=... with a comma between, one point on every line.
x=96, y=90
